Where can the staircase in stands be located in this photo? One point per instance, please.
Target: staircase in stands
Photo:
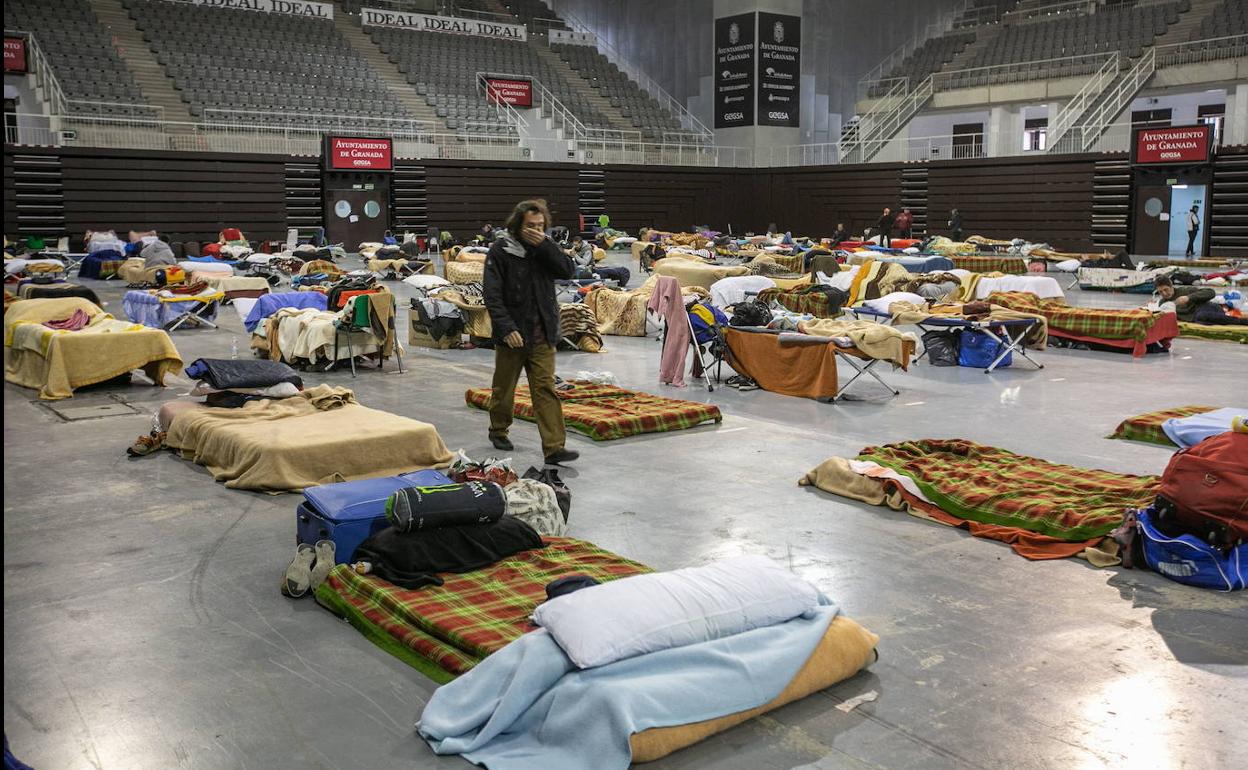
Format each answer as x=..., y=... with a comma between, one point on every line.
x=403, y=91
x=38, y=193
x=591, y=191
x=1111, y=203
x=573, y=78
x=154, y=83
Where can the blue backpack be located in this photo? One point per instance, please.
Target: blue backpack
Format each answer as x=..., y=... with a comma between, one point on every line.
x=704, y=318
x=1190, y=560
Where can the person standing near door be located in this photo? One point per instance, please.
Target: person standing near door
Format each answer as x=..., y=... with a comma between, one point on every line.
x=1193, y=227
x=955, y=225
x=905, y=223
x=885, y=225
x=520, y=273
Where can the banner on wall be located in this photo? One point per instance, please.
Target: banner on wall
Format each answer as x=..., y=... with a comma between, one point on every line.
x=734, y=71
x=513, y=91
x=1173, y=144
x=284, y=7
x=421, y=22
x=15, y=55
x=567, y=37
x=354, y=153
x=779, y=69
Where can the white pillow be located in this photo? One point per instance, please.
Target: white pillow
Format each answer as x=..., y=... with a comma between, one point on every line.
x=647, y=613
x=1068, y=265
x=421, y=281
x=882, y=304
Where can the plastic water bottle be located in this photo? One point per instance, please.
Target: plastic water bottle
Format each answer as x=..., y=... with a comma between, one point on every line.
x=234, y=348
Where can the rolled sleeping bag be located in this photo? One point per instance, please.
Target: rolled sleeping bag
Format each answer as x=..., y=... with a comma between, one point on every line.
x=446, y=505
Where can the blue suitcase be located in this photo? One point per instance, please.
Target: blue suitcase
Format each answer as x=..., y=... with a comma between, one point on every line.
x=350, y=511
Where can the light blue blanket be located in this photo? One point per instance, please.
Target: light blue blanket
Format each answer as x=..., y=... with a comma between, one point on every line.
x=1190, y=431
x=527, y=707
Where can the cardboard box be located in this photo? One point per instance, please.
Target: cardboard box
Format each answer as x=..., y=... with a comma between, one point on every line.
x=418, y=337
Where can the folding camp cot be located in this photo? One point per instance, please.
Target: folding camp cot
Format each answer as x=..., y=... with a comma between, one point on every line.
x=1008, y=334
x=160, y=310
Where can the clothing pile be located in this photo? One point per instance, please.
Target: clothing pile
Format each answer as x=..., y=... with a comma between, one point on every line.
x=579, y=328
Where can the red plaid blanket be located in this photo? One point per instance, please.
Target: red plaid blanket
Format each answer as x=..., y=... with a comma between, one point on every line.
x=446, y=630
x=1147, y=427
x=990, y=264
x=1102, y=323
x=606, y=412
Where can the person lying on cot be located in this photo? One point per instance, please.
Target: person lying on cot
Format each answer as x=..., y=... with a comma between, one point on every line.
x=1195, y=304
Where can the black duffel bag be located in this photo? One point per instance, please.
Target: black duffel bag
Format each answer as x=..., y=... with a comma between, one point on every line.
x=942, y=348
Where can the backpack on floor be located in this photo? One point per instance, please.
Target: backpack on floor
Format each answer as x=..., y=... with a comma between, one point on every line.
x=1188, y=559
x=941, y=347
x=978, y=350
x=1204, y=490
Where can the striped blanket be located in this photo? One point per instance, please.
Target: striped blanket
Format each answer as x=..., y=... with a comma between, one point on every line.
x=607, y=412
x=1208, y=332
x=1147, y=427
x=443, y=631
x=995, y=486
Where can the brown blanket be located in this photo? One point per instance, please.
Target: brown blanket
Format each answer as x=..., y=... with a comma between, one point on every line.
x=806, y=371
x=320, y=436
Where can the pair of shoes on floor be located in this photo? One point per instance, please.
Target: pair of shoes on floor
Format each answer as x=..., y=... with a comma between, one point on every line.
x=741, y=383
x=308, y=569
x=145, y=445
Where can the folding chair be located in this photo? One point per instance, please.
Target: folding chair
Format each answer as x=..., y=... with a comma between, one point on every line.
x=350, y=326
x=564, y=288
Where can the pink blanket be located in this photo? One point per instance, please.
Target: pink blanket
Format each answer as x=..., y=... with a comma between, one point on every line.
x=667, y=301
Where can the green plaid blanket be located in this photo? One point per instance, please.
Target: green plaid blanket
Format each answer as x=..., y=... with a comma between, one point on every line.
x=1147, y=427
x=444, y=631
x=995, y=486
x=1102, y=323
x=1228, y=333
x=990, y=264
x=607, y=412
x=800, y=301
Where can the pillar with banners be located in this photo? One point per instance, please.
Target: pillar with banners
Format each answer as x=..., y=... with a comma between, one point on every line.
x=758, y=66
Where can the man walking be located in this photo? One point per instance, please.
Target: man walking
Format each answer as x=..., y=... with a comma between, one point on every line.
x=1193, y=227
x=520, y=273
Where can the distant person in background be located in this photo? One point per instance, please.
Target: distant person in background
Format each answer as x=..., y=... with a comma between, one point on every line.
x=772, y=229
x=885, y=225
x=840, y=235
x=487, y=233
x=582, y=253
x=905, y=223
x=955, y=225
x=1193, y=227
x=1195, y=304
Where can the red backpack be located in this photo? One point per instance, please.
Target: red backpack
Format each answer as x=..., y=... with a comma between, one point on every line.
x=1204, y=490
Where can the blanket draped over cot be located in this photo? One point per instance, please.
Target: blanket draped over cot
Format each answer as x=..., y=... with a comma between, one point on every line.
x=1147, y=427
x=694, y=272
x=320, y=436
x=1043, y=510
x=606, y=412
x=873, y=280
x=1132, y=328
x=990, y=264
x=57, y=362
x=446, y=630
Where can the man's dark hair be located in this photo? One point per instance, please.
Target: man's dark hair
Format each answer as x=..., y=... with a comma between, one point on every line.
x=516, y=221
x=577, y=237
x=1162, y=280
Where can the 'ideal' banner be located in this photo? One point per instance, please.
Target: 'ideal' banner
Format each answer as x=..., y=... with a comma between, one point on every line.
x=517, y=93
x=15, y=55
x=373, y=17
x=349, y=153
x=284, y=7
x=779, y=69
x=1173, y=144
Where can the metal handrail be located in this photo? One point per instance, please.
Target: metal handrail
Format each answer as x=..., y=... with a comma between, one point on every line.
x=1082, y=100
x=45, y=78
x=1040, y=69
x=868, y=125
x=936, y=29
x=337, y=121
x=687, y=119
x=1201, y=51
x=501, y=108
x=1038, y=9
x=1116, y=99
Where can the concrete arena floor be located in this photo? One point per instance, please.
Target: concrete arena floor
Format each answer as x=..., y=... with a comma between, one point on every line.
x=143, y=627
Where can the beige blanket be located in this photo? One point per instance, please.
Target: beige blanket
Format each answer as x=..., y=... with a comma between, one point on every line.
x=465, y=272
x=689, y=272
x=74, y=359
x=476, y=318
x=308, y=334
x=623, y=313
x=873, y=339
x=319, y=436
x=226, y=282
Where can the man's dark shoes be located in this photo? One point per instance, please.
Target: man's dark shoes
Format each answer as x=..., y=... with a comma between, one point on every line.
x=562, y=456
x=502, y=443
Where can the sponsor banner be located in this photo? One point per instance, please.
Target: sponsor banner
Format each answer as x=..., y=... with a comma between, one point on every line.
x=734, y=71
x=15, y=55
x=284, y=7
x=779, y=69
x=349, y=153
x=517, y=93
x=373, y=17
x=1174, y=144
x=567, y=37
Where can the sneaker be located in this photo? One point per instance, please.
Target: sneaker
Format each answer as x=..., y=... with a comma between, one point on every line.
x=747, y=385
x=502, y=443
x=734, y=381
x=562, y=456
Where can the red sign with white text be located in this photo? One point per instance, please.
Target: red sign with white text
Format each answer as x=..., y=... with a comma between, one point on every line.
x=517, y=93
x=15, y=54
x=1173, y=144
x=345, y=153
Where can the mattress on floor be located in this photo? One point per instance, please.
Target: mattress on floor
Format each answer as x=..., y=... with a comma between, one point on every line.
x=1133, y=328
x=1147, y=427
x=1225, y=333
x=607, y=412
x=320, y=436
x=444, y=631
x=1044, y=510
